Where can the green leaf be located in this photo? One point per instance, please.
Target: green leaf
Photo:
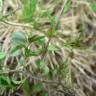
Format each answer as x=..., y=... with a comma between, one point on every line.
x=53, y=20
x=52, y=48
x=29, y=9
x=42, y=66
x=41, y=41
x=45, y=94
x=13, y=50
x=19, y=38
x=38, y=87
x=55, y=24
x=93, y=6
x=26, y=88
x=45, y=70
x=68, y=6
x=5, y=81
x=1, y=6
x=35, y=38
x=22, y=61
x=40, y=63
x=14, y=81
x=16, y=53
x=29, y=52
x=2, y=55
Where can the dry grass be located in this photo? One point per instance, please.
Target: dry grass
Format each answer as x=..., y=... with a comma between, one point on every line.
x=76, y=40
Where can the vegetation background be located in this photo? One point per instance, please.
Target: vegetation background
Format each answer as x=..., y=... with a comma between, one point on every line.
x=47, y=47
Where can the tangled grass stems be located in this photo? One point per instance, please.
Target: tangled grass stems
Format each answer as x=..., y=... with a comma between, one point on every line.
x=69, y=56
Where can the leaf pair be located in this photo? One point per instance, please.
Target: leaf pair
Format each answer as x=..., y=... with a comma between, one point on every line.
x=35, y=38
x=21, y=40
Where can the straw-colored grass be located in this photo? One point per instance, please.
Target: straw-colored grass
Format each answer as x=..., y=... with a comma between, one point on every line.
x=61, y=36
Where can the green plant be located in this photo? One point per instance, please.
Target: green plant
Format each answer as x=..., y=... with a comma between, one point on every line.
x=44, y=51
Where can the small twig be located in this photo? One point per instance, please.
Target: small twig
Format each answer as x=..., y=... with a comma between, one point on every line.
x=12, y=23
x=29, y=75
x=61, y=11
x=16, y=24
x=5, y=16
x=9, y=71
x=43, y=80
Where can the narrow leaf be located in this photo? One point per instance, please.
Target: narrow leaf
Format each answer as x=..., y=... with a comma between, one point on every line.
x=2, y=55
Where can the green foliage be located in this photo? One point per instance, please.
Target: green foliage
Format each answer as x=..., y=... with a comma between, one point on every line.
x=5, y=81
x=53, y=48
x=35, y=38
x=19, y=41
x=19, y=38
x=22, y=61
x=1, y=7
x=22, y=50
x=16, y=82
x=29, y=52
x=29, y=9
x=10, y=83
x=45, y=94
x=15, y=52
x=41, y=41
x=37, y=87
x=43, y=67
x=68, y=6
x=54, y=25
x=26, y=88
x=93, y=6
x=2, y=55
